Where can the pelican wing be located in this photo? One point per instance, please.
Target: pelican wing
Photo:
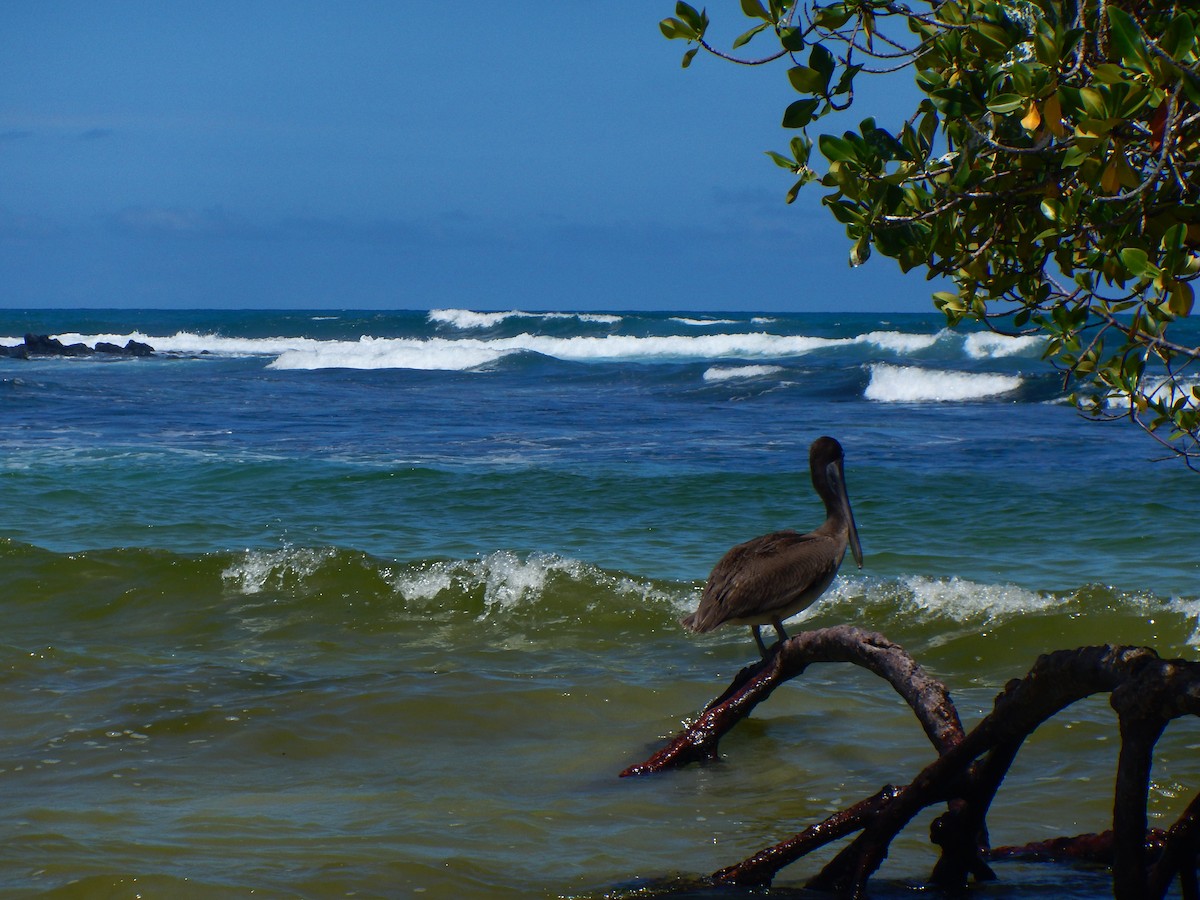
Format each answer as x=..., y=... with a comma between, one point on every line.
x=772, y=575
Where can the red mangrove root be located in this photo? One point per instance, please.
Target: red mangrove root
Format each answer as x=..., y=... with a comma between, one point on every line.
x=1146, y=691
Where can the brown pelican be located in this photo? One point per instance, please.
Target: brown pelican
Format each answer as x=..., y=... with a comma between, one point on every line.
x=769, y=578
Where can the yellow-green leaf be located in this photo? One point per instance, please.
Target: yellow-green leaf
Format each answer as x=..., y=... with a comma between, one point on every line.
x=1032, y=119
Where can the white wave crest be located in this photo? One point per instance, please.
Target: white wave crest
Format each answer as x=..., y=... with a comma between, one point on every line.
x=458, y=352
x=468, y=319
x=510, y=581
x=963, y=600
x=727, y=373
x=701, y=323
x=468, y=353
x=395, y=353
x=986, y=345
x=922, y=598
x=899, y=341
x=909, y=384
x=258, y=569
x=507, y=579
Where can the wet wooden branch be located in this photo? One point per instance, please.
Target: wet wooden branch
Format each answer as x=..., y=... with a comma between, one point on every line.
x=927, y=696
x=1094, y=848
x=1146, y=691
x=1056, y=681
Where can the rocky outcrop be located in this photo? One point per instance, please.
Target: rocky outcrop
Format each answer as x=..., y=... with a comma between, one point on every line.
x=42, y=345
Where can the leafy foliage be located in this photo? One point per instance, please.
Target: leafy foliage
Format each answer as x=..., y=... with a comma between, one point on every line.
x=1051, y=171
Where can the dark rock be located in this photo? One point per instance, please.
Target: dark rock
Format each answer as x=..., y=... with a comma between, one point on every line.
x=44, y=345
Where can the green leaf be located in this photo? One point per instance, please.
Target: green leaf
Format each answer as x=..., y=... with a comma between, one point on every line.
x=1191, y=87
x=1045, y=45
x=782, y=161
x=808, y=81
x=846, y=213
x=755, y=10
x=1136, y=260
x=846, y=81
x=688, y=14
x=801, y=148
x=1051, y=209
x=792, y=39
x=689, y=56
x=742, y=39
x=992, y=40
x=673, y=29
x=1182, y=299
x=822, y=60
x=835, y=148
x=833, y=16
x=1179, y=38
x=860, y=252
x=1006, y=103
x=800, y=113
x=1093, y=102
x=1109, y=73
x=946, y=300
x=1127, y=38
x=1075, y=156
x=883, y=142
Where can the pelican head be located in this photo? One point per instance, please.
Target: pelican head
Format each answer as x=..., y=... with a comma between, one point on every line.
x=826, y=462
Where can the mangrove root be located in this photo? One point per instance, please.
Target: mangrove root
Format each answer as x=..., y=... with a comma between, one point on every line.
x=1146, y=691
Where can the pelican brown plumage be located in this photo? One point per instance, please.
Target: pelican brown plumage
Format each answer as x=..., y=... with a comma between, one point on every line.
x=769, y=578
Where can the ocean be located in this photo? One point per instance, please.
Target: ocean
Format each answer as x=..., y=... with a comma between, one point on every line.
x=378, y=604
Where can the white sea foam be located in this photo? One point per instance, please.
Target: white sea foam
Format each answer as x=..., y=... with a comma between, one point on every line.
x=512, y=581
x=921, y=598
x=255, y=570
x=468, y=319
x=986, y=345
x=701, y=323
x=507, y=578
x=463, y=352
x=468, y=353
x=727, y=373
x=899, y=341
x=395, y=353
x=963, y=600
x=909, y=384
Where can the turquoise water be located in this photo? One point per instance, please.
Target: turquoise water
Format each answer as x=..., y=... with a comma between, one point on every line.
x=379, y=604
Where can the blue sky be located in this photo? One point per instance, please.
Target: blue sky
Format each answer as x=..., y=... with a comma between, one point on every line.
x=405, y=155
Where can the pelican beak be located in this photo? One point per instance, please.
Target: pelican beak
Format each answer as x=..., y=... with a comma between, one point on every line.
x=837, y=478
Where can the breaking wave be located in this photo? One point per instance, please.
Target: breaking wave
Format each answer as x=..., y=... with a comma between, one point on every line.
x=467, y=319
x=911, y=384
x=445, y=342
x=986, y=345
x=731, y=373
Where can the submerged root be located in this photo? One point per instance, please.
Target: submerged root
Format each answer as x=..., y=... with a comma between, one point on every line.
x=1146, y=691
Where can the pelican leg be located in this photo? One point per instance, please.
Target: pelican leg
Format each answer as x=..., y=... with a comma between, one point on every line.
x=779, y=630
x=762, y=648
